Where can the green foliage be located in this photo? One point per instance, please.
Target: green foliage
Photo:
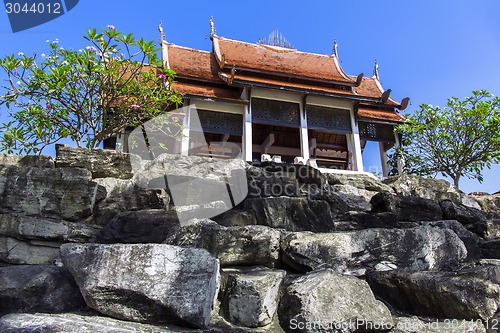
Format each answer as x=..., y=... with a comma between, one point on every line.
x=86, y=95
x=458, y=140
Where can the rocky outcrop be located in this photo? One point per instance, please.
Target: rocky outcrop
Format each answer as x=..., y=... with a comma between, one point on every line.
x=145, y=283
x=245, y=246
x=249, y=297
x=72, y=196
x=325, y=301
x=363, y=181
x=36, y=240
x=30, y=289
x=294, y=214
x=141, y=226
x=406, y=208
x=488, y=203
x=472, y=293
x=146, y=242
x=427, y=188
x=101, y=163
x=76, y=323
x=356, y=252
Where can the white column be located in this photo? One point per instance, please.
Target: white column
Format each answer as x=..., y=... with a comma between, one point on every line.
x=120, y=142
x=384, y=159
x=304, y=136
x=247, y=130
x=357, y=159
x=400, y=161
x=185, y=132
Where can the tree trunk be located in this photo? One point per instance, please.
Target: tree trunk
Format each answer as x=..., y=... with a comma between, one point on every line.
x=456, y=179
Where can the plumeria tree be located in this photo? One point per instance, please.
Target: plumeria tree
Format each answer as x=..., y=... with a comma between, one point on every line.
x=85, y=95
x=459, y=140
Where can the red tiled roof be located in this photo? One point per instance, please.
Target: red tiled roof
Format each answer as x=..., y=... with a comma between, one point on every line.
x=292, y=85
x=208, y=92
x=370, y=87
x=279, y=60
x=193, y=63
x=366, y=112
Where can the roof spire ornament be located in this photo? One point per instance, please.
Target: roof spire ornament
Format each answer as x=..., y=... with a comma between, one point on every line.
x=212, y=28
x=375, y=71
x=335, y=48
x=162, y=34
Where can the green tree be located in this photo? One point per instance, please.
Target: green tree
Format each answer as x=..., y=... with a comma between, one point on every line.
x=458, y=140
x=85, y=95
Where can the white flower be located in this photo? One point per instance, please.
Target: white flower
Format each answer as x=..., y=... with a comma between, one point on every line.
x=20, y=54
x=61, y=48
x=43, y=55
x=18, y=82
x=47, y=41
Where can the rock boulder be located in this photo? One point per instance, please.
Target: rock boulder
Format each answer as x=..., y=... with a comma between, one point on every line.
x=149, y=283
x=32, y=289
x=355, y=252
x=324, y=301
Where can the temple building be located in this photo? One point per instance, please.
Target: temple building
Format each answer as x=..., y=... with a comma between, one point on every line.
x=272, y=100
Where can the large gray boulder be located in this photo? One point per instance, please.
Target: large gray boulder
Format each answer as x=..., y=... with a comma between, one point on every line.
x=345, y=198
x=76, y=323
x=38, y=289
x=28, y=252
x=361, y=181
x=324, y=301
x=236, y=218
x=246, y=245
x=292, y=213
x=355, y=252
x=102, y=163
x=489, y=203
x=36, y=240
x=472, y=218
x=142, y=226
x=150, y=283
x=199, y=187
x=249, y=297
x=72, y=195
x=491, y=249
x=472, y=293
x=38, y=228
x=407, y=208
x=428, y=188
x=125, y=195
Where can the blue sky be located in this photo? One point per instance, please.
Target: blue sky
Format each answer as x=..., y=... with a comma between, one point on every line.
x=427, y=50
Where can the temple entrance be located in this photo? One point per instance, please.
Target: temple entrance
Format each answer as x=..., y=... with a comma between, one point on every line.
x=275, y=129
x=275, y=140
x=329, y=149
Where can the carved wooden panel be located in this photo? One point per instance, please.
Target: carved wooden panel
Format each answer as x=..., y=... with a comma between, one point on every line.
x=267, y=111
x=220, y=122
x=324, y=118
x=376, y=132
